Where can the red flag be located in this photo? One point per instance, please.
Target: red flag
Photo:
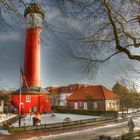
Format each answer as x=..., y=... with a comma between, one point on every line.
x=23, y=78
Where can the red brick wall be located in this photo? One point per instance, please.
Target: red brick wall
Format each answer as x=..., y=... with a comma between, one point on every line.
x=100, y=104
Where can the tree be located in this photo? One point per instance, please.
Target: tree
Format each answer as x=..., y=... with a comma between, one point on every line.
x=129, y=98
x=55, y=98
x=122, y=91
x=5, y=95
x=115, y=25
x=108, y=28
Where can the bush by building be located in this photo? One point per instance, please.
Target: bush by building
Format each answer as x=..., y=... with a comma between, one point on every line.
x=88, y=112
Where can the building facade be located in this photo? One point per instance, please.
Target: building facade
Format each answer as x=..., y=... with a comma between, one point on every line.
x=59, y=94
x=32, y=102
x=93, y=98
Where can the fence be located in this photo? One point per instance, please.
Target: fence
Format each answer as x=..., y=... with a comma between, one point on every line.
x=9, y=121
x=54, y=126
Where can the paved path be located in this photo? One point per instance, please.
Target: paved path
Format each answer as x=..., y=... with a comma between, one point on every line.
x=87, y=132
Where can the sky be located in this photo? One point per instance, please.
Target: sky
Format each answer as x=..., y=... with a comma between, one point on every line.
x=56, y=68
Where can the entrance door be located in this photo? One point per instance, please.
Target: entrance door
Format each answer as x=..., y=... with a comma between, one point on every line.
x=75, y=105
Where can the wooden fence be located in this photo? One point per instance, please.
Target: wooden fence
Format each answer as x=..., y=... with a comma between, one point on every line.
x=9, y=121
x=54, y=126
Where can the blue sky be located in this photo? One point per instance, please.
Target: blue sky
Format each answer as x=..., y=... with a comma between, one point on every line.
x=56, y=68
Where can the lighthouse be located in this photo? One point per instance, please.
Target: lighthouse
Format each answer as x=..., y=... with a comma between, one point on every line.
x=31, y=97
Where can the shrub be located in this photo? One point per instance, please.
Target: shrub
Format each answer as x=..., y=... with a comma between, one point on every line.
x=88, y=112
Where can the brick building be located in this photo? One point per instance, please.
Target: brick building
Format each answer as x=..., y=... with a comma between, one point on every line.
x=93, y=98
x=59, y=94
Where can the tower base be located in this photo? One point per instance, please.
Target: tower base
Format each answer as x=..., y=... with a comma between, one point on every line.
x=33, y=100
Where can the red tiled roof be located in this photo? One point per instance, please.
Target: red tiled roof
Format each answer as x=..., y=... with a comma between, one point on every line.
x=93, y=93
x=71, y=88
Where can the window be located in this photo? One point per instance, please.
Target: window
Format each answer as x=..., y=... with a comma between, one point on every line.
x=113, y=104
x=28, y=98
x=94, y=105
x=71, y=88
x=34, y=109
x=85, y=106
x=75, y=105
x=47, y=99
x=108, y=104
x=80, y=103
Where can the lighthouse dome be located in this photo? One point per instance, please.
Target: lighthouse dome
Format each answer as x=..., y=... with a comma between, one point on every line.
x=34, y=8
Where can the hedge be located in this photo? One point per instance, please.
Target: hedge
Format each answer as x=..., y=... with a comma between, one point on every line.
x=88, y=112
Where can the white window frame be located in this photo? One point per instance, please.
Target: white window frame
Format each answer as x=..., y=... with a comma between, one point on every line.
x=75, y=105
x=28, y=98
x=80, y=104
x=95, y=105
x=85, y=106
x=108, y=104
x=34, y=109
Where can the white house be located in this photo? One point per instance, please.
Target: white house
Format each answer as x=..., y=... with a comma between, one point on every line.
x=62, y=98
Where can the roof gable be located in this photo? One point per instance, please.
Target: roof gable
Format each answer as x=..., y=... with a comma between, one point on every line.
x=93, y=93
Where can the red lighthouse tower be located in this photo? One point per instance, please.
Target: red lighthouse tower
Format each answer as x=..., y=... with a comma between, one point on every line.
x=31, y=97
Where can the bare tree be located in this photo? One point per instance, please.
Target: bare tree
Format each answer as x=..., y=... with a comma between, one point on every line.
x=115, y=25
x=108, y=28
x=129, y=96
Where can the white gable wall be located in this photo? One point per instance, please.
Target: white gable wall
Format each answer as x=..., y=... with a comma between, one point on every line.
x=63, y=96
x=1, y=106
x=112, y=104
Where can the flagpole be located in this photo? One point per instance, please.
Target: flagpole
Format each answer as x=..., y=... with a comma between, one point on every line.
x=20, y=99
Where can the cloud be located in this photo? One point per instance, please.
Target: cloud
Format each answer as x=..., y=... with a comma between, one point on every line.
x=10, y=37
x=5, y=57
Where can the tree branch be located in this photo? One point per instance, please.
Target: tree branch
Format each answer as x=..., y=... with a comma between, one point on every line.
x=118, y=46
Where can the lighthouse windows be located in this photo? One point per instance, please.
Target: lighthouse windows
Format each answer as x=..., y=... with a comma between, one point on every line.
x=34, y=20
x=28, y=98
